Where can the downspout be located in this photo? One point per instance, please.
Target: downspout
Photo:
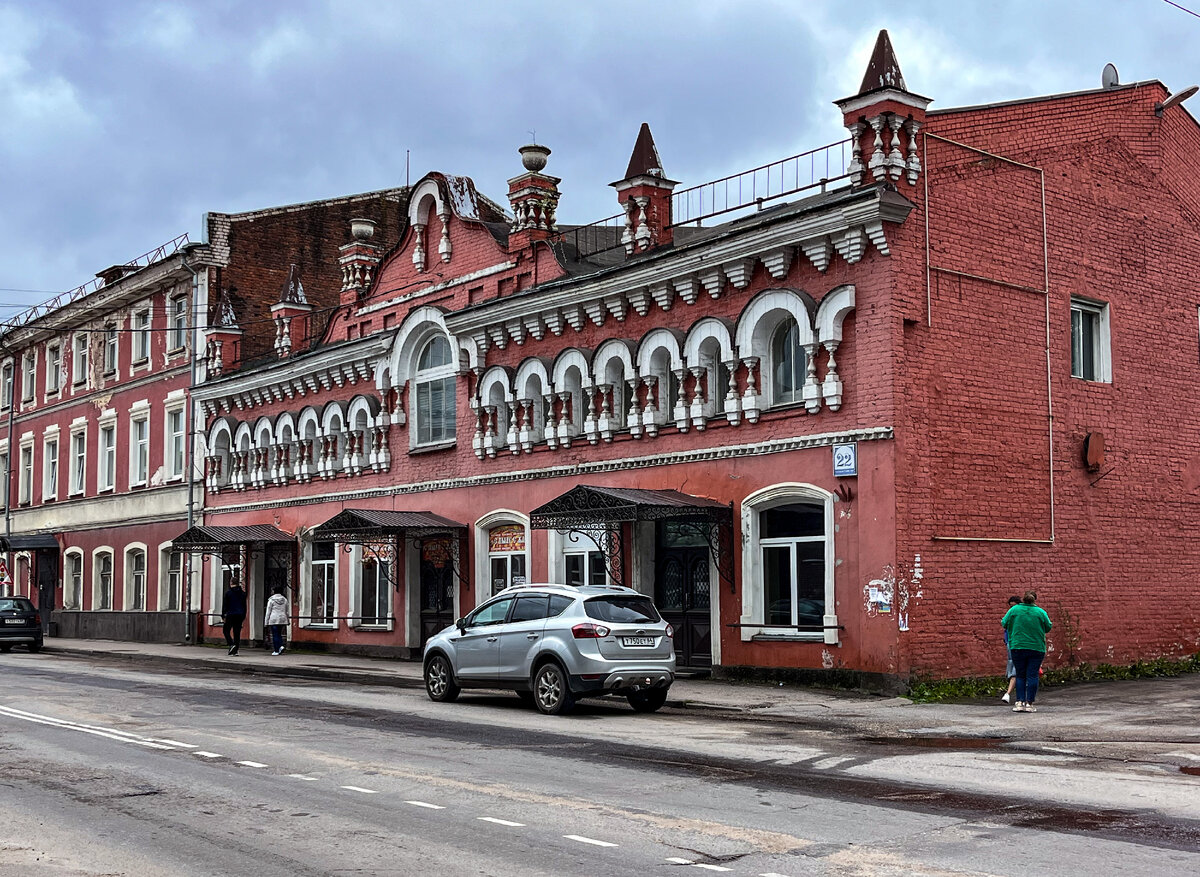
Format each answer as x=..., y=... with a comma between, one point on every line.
x=8, y=458
x=189, y=462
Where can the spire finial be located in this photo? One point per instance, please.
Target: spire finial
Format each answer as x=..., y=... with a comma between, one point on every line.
x=883, y=71
x=645, y=161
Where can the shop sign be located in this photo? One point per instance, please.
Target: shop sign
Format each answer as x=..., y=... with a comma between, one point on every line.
x=506, y=539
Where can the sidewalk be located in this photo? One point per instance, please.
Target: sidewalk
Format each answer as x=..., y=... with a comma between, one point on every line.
x=1146, y=711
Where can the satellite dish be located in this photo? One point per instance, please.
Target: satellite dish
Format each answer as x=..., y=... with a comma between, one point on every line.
x=1177, y=98
x=1109, y=78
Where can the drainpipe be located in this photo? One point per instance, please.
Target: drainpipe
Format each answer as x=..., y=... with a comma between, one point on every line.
x=8, y=458
x=189, y=463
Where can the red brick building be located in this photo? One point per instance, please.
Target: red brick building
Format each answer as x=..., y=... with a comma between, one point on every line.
x=830, y=427
x=95, y=409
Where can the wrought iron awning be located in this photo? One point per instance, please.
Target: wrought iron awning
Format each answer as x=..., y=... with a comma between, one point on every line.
x=586, y=506
x=355, y=526
x=213, y=539
x=27, y=541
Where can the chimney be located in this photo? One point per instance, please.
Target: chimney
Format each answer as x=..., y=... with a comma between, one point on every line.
x=292, y=314
x=223, y=338
x=534, y=198
x=114, y=273
x=883, y=120
x=358, y=260
x=645, y=195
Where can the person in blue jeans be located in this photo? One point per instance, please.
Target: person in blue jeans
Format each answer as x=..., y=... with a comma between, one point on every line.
x=1026, y=625
x=1010, y=672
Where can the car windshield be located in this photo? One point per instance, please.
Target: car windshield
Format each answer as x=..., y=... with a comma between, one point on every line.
x=17, y=604
x=621, y=610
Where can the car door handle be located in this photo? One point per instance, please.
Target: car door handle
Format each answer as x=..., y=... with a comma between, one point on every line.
x=491, y=639
x=531, y=636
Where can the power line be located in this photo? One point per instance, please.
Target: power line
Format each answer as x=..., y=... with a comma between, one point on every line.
x=1181, y=8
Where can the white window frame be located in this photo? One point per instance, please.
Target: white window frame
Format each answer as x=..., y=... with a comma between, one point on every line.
x=141, y=336
x=73, y=579
x=25, y=474
x=139, y=444
x=28, y=375
x=359, y=560
x=799, y=368
x=107, y=454
x=444, y=375
x=6, y=385
x=7, y=475
x=1101, y=342
x=50, y=465
x=129, y=568
x=112, y=349
x=53, y=369
x=77, y=477
x=79, y=359
x=315, y=568
x=483, y=555
x=170, y=579
x=178, y=317
x=98, y=587
x=753, y=587
x=175, y=443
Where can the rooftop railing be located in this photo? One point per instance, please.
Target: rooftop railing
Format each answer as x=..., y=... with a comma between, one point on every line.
x=37, y=311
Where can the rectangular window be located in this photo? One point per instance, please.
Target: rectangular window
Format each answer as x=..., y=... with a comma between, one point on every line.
x=78, y=461
x=74, y=582
x=6, y=393
x=324, y=584
x=53, y=369
x=110, y=348
x=376, y=590
x=25, y=479
x=108, y=457
x=104, y=581
x=141, y=336
x=585, y=568
x=1090, y=354
x=136, y=573
x=79, y=360
x=139, y=450
x=179, y=322
x=435, y=411
x=50, y=470
x=174, y=581
x=7, y=481
x=175, y=443
x=28, y=375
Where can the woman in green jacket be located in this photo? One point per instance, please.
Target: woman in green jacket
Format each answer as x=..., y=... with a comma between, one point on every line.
x=1027, y=625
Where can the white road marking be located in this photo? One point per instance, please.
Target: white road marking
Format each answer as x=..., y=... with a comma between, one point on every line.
x=300, y=776
x=501, y=821
x=588, y=840
x=94, y=730
x=676, y=861
x=711, y=867
x=202, y=754
x=250, y=763
x=1184, y=755
x=177, y=743
x=361, y=789
x=826, y=763
x=426, y=805
x=772, y=874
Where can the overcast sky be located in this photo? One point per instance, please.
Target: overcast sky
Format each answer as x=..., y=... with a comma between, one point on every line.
x=125, y=121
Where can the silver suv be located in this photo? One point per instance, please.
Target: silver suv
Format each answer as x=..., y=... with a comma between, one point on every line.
x=554, y=643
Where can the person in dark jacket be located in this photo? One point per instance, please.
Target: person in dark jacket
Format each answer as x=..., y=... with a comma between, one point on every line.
x=1027, y=625
x=233, y=610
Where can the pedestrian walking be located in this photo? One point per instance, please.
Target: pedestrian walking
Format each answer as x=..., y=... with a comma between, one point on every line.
x=276, y=619
x=1010, y=672
x=233, y=611
x=1027, y=625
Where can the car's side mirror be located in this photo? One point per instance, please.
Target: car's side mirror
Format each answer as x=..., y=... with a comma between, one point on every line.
x=461, y=624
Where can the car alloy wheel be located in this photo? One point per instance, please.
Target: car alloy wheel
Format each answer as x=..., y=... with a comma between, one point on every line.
x=439, y=680
x=551, y=691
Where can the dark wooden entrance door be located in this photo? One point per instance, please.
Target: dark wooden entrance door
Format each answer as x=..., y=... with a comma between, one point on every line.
x=277, y=572
x=683, y=591
x=46, y=562
x=437, y=587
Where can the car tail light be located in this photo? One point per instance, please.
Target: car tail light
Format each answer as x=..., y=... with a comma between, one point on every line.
x=670, y=631
x=37, y=619
x=589, y=631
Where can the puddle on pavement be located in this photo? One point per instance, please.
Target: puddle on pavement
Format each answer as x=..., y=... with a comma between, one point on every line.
x=939, y=742
x=1190, y=771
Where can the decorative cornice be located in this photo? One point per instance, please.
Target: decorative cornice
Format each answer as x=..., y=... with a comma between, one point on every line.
x=699, y=455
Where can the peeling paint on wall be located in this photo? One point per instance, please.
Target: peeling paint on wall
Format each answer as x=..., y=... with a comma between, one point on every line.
x=826, y=659
x=898, y=586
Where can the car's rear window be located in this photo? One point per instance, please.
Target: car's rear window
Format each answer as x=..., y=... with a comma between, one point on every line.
x=20, y=604
x=621, y=610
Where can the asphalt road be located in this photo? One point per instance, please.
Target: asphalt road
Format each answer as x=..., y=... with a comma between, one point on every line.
x=107, y=771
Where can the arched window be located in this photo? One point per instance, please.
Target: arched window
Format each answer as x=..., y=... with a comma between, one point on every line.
x=135, y=579
x=789, y=364
x=434, y=391
x=102, y=580
x=73, y=581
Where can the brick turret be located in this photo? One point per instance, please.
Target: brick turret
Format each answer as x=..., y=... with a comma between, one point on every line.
x=534, y=198
x=883, y=120
x=358, y=259
x=292, y=315
x=223, y=338
x=645, y=195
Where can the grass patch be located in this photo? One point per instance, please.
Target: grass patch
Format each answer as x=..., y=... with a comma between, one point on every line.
x=935, y=691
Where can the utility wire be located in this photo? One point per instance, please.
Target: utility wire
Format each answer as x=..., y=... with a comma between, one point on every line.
x=1181, y=8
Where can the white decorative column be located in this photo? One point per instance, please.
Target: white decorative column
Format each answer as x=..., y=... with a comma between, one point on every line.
x=634, y=416
x=525, y=436
x=418, y=256
x=895, y=159
x=477, y=439
x=855, y=168
x=604, y=423
x=490, y=441
x=878, y=164
x=512, y=440
x=565, y=419
x=699, y=420
x=590, y=428
x=650, y=412
x=832, y=387
x=681, y=407
x=911, y=127
x=550, y=431
x=750, y=398
x=732, y=404
x=812, y=390
x=444, y=248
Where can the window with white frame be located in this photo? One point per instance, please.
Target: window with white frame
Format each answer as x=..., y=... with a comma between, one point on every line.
x=53, y=369
x=102, y=580
x=50, y=469
x=788, y=363
x=108, y=456
x=78, y=461
x=7, y=480
x=6, y=386
x=135, y=579
x=323, y=594
x=583, y=561
x=139, y=449
x=1091, y=357
x=25, y=476
x=176, y=446
x=73, y=581
x=375, y=592
x=435, y=393
x=506, y=557
x=141, y=336
x=179, y=323
x=79, y=359
x=28, y=376
x=170, y=567
x=110, y=348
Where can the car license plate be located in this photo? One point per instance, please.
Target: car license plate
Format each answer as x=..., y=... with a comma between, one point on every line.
x=14, y=621
x=637, y=640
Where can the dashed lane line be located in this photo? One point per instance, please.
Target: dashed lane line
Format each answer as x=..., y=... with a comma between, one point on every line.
x=300, y=776
x=250, y=763
x=361, y=789
x=501, y=821
x=426, y=805
x=711, y=867
x=589, y=840
x=176, y=743
x=200, y=753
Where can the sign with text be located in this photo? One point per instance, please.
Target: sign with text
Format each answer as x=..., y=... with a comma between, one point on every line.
x=845, y=460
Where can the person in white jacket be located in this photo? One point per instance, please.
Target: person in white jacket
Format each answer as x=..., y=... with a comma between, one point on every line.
x=277, y=619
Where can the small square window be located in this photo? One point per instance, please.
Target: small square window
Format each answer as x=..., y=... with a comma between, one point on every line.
x=1091, y=358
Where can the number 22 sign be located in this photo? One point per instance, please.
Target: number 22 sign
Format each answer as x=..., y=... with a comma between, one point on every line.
x=845, y=460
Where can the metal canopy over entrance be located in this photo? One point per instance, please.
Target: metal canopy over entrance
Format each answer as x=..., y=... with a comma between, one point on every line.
x=212, y=540
x=28, y=541
x=600, y=514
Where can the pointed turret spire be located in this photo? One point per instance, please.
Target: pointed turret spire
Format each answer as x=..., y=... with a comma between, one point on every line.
x=883, y=120
x=290, y=314
x=645, y=195
x=293, y=290
x=883, y=71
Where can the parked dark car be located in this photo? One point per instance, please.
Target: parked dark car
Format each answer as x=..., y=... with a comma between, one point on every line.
x=20, y=624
